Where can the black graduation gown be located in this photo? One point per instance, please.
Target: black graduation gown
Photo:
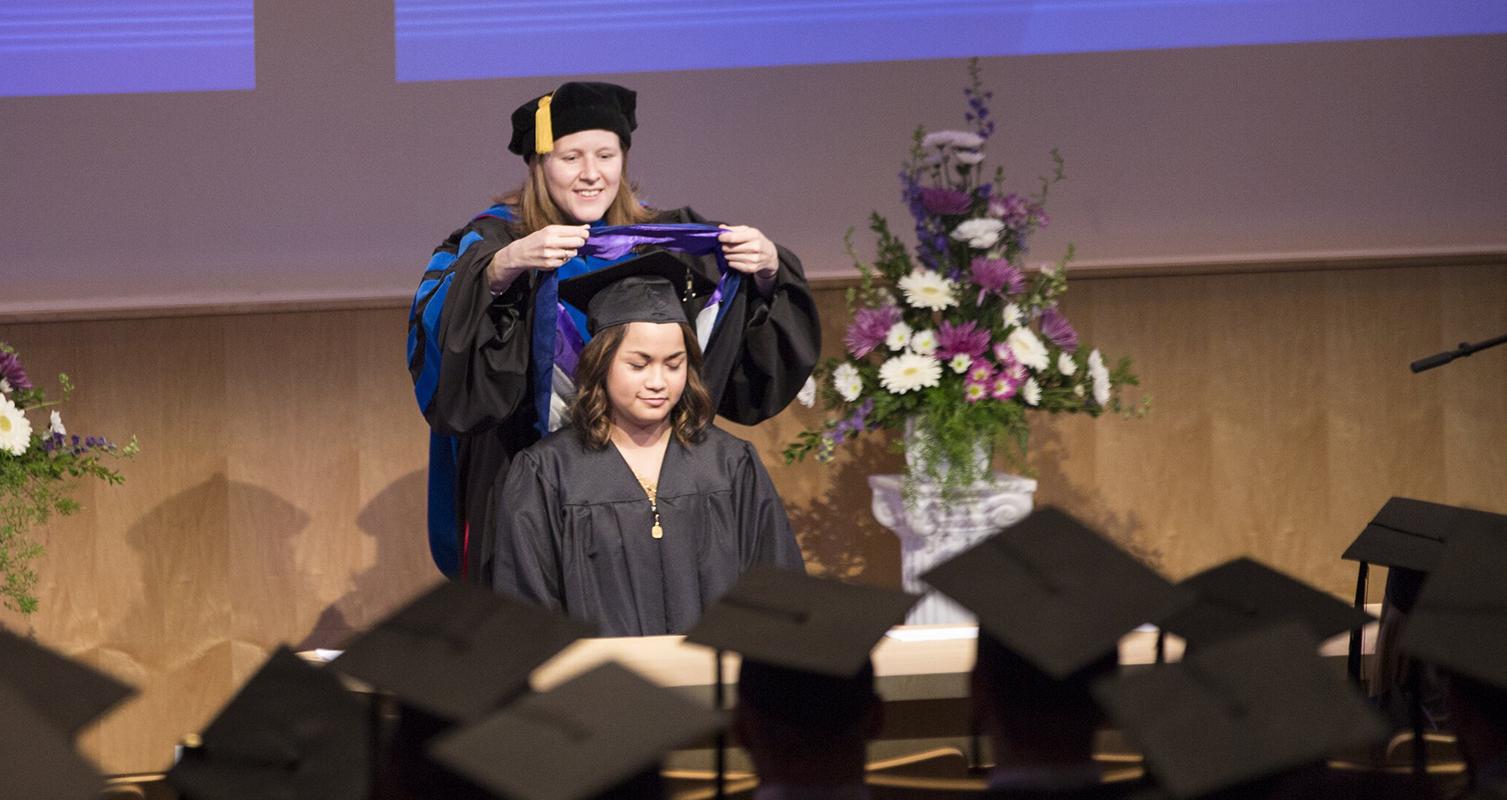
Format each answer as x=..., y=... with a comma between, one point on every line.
x=573, y=531
x=481, y=404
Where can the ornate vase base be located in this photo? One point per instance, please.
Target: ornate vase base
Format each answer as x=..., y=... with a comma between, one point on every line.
x=932, y=530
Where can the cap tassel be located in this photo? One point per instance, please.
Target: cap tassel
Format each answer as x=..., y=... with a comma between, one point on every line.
x=544, y=129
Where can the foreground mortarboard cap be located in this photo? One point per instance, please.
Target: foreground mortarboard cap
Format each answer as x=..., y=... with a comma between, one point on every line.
x=790, y=619
x=68, y=694
x=1411, y=533
x=574, y=107
x=577, y=740
x=645, y=288
x=37, y=759
x=458, y=650
x=1243, y=595
x=1055, y=592
x=291, y=732
x=1239, y=710
x=1460, y=621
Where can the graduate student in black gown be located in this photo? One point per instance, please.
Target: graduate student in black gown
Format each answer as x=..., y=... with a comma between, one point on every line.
x=641, y=513
x=490, y=350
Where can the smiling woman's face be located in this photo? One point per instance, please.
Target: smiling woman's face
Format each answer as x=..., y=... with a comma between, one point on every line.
x=583, y=173
x=647, y=375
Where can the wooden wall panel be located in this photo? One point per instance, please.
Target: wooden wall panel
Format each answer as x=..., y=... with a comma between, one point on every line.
x=280, y=493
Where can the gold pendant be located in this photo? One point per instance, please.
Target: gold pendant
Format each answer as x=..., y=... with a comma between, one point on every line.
x=657, y=532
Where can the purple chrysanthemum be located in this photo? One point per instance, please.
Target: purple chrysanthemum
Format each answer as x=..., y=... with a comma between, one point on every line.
x=964, y=338
x=869, y=327
x=996, y=275
x=12, y=371
x=1056, y=328
x=945, y=201
x=1012, y=209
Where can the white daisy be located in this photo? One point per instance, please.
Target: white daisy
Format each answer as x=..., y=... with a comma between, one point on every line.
x=980, y=234
x=15, y=429
x=898, y=337
x=960, y=363
x=1078, y=390
x=1066, y=365
x=1100, y=375
x=955, y=139
x=847, y=382
x=1032, y=392
x=1012, y=315
x=969, y=157
x=924, y=343
x=1028, y=349
x=926, y=288
x=909, y=372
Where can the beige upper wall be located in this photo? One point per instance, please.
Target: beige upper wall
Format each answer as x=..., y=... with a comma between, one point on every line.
x=330, y=180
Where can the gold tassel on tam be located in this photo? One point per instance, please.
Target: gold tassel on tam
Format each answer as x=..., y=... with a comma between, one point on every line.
x=544, y=134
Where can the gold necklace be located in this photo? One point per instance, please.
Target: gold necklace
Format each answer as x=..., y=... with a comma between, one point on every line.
x=653, y=492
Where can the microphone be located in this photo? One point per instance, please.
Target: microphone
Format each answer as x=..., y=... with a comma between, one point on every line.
x=1465, y=349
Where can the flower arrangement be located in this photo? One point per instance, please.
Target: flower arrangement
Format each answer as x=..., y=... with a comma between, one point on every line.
x=36, y=466
x=963, y=340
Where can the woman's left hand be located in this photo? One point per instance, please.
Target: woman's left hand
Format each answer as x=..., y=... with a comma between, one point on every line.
x=750, y=252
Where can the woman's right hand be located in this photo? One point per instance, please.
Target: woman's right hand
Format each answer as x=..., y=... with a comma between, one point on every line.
x=547, y=248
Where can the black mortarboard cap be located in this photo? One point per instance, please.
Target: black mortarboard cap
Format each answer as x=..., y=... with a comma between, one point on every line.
x=458, y=650
x=790, y=619
x=645, y=288
x=574, y=107
x=1055, y=592
x=1460, y=621
x=37, y=759
x=577, y=740
x=1243, y=595
x=291, y=732
x=1411, y=533
x=1238, y=710
x=68, y=694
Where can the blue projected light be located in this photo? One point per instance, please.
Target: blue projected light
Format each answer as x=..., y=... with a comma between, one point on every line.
x=102, y=47
x=454, y=39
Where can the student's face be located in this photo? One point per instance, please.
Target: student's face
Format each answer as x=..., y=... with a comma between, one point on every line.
x=583, y=172
x=648, y=374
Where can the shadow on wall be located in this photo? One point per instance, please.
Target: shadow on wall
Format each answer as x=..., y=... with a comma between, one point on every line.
x=395, y=520
x=836, y=542
x=186, y=558
x=1049, y=455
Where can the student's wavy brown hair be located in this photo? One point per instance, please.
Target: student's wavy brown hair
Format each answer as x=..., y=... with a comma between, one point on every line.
x=534, y=208
x=591, y=410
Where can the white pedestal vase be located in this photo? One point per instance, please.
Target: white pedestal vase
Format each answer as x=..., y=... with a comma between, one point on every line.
x=932, y=529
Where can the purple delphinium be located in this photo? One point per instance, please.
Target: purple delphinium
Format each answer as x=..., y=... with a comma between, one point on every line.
x=75, y=445
x=945, y=201
x=964, y=338
x=996, y=275
x=868, y=329
x=931, y=238
x=853, y=424
x=1056, y=328
x=12, y=371
x=978, y=110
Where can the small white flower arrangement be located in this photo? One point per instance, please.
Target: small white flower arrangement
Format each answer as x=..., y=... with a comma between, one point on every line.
x=37, y=465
